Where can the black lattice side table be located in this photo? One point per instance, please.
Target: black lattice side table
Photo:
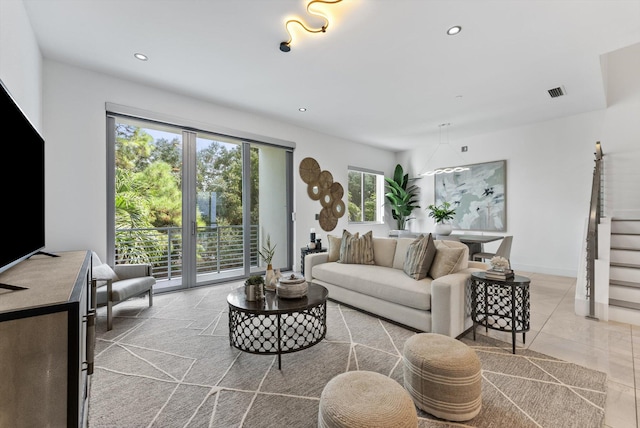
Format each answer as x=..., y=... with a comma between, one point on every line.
x=500, y=304
x=276, y=326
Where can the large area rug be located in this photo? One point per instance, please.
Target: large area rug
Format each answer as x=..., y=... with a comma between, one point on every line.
x=171, y=366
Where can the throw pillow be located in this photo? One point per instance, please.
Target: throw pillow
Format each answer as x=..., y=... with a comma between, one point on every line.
x=445, y=261
x=334, y=248
x=103, y=272
x=419, y=258
x=356, y=249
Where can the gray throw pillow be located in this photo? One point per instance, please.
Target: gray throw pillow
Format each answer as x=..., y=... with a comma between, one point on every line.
x=419, y=258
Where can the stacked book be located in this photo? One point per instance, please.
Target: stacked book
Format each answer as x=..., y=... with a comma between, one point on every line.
x=497, y=274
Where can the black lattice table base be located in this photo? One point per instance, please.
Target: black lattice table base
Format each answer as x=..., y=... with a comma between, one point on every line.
x=500, y=304
x=277, y=326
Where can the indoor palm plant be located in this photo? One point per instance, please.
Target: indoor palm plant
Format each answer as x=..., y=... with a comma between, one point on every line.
x=401, y=196
x=441, y=214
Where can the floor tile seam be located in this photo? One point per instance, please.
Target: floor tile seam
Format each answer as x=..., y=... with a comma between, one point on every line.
x=609, y=351
x=635, y=374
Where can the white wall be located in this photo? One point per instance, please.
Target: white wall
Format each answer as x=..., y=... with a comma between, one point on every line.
x=74, y=112
x=20, y=60
x=549, y=171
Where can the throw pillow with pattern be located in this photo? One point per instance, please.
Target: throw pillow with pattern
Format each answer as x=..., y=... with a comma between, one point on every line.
x=355, y=249
x=419, y=258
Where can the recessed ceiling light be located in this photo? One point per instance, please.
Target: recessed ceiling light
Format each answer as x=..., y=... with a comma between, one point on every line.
x=302, y=109
x=141, y=57
x=454, y=30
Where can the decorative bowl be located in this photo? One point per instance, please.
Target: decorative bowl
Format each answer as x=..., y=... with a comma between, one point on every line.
x=291, y=287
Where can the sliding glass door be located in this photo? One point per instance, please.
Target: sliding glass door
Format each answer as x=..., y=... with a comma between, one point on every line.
x=196, y=205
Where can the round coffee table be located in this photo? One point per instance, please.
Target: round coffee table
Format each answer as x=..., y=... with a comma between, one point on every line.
x=276, y=326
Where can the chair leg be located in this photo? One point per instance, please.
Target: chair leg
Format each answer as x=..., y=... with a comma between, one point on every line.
x=109, y=305
x=109, y=315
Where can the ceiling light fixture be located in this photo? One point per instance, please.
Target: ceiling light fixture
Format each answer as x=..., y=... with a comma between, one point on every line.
x=286, y=46
x=141, y=57
x=454, y=30
x=303, y=109
x=443, y=170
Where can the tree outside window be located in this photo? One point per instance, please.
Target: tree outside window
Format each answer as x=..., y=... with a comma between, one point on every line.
x=365, y=196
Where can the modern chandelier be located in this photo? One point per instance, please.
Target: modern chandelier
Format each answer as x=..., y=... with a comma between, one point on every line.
x=286, y=46
x=443, y=170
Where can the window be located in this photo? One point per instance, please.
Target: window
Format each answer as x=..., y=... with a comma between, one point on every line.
x=366, y=192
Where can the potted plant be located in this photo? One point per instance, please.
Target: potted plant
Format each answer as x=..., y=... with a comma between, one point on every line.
x=254, y=288
x=401, y=196
x=267, y=254
x=441, y=214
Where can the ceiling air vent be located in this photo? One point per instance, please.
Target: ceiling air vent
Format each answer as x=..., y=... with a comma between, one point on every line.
x=556, y=92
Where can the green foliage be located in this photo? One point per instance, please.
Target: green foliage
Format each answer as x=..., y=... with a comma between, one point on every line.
x=254, y=280
x=401, y=196
x=441, y=212
x=267, y=251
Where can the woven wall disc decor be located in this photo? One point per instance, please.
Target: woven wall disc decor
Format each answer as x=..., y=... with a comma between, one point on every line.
x=321, y=187
x=309, y=170
x=328, y=221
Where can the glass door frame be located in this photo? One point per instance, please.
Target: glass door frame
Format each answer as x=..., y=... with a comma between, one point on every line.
x=189, y=135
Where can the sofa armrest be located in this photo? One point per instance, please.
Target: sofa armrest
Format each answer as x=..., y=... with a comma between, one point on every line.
x=132, y=270
x=449, y=310
x=310, y=260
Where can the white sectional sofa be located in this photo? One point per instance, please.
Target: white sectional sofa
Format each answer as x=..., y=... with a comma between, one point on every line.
x=384, y=289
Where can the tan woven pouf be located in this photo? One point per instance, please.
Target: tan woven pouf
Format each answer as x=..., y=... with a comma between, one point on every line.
x=442, y=375
x=364, y=399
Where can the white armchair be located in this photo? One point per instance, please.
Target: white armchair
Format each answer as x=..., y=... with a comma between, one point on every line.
x=117, y=284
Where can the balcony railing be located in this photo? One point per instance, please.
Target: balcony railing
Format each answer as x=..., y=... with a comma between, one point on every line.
x=219, y=248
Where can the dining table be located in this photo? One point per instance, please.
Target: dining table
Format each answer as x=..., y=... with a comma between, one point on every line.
x=475, y=242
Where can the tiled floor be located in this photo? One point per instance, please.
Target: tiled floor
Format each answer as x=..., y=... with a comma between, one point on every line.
x=606, y=346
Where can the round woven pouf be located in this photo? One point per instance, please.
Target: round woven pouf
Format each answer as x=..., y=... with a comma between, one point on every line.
x=442, y=375
x=364, y=399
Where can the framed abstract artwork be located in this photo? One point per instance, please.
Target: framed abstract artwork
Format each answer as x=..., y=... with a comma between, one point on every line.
x=478, y=194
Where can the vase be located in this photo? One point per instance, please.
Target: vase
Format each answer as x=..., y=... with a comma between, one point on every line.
x=443, y=229
x=269, y=274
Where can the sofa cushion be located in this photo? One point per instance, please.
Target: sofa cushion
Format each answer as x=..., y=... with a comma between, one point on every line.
x=446, y=261
x=384, y=250
x=419, y=257
x=377, y=281
x=103, y=272
x=356, y=249
x=401, y=252
x=334, y=248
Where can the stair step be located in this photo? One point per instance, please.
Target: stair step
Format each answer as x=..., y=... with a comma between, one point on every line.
x=624, y=283
x=624, y=304
x=625, y=226
x=624, y=265
x=625, y=240
x=625, y=248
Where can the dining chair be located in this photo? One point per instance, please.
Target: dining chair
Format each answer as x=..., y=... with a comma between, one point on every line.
x=504, y=250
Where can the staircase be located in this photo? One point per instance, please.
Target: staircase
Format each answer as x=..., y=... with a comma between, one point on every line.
x=624, y=271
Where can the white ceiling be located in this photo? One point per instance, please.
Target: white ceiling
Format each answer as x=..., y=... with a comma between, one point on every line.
x=385, y=73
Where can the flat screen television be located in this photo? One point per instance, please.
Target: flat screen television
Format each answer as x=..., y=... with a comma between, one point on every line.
x=22, y=184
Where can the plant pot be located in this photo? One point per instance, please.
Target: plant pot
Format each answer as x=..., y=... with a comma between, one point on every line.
x=443, y=229
x=250, y=292
x=269, y=276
